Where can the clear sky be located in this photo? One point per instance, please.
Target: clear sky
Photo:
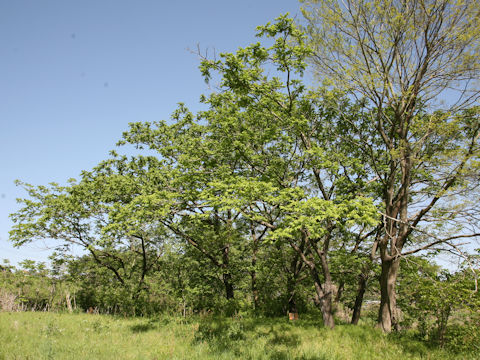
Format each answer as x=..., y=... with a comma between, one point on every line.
x=73, y=74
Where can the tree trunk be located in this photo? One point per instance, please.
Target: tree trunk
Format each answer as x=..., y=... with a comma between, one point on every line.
x=442, y=325
x=292, y=303
x=68, y=301
x=357, y=308
x=227, y=277
x=253, y=275
x=325, y=302
x=387, y=314
x=254, y=290
x=227, y=281
x=292, y=281
x=324, y=295
x=328, y=288
x=339, y=292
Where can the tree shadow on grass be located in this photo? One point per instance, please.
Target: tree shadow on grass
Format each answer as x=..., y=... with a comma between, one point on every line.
x=144, y=327
x=238, y=336
x=289, y=340
x=221, y=334
x=284, y=355
x=234, y=335
x=408, y=343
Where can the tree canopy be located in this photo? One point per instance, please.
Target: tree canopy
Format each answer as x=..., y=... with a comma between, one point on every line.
x=415, y=65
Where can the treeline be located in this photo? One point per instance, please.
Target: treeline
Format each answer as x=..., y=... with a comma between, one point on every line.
x=284, y=198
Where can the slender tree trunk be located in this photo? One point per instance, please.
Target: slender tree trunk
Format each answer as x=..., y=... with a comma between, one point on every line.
x=442, y=325
x=396, y=228
x=387, y=314
x=253, y=275
x=292, y=280
x=254, y=289
x=357, y=308
x=227, y=277
x=338, y=296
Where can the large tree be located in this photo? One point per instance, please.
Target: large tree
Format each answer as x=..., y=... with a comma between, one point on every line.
x=266, y=151
x=299, y=179
x=265, y=161
x=416, y=65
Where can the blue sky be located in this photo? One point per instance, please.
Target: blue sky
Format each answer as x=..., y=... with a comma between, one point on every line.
x=73, y=74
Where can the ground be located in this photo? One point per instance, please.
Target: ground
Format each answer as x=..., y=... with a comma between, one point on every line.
x=32, y=335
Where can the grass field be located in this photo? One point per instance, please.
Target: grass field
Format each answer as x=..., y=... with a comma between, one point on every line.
x=34, y=336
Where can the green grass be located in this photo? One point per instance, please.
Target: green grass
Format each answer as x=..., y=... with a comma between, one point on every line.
x=81, y=336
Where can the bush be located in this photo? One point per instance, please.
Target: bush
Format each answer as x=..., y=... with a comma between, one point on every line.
x=463, y=337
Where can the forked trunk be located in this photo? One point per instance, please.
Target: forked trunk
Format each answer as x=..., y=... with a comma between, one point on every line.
x=324, y=294
x=388, y=314
x=292, y=303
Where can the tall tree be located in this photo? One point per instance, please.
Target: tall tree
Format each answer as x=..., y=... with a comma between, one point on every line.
x=298, y=178
x=265, y=161
x=416, y=64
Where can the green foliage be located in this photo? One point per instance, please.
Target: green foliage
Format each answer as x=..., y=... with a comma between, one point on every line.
x=30, y=288
x=414, y=66
x=442, y=306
